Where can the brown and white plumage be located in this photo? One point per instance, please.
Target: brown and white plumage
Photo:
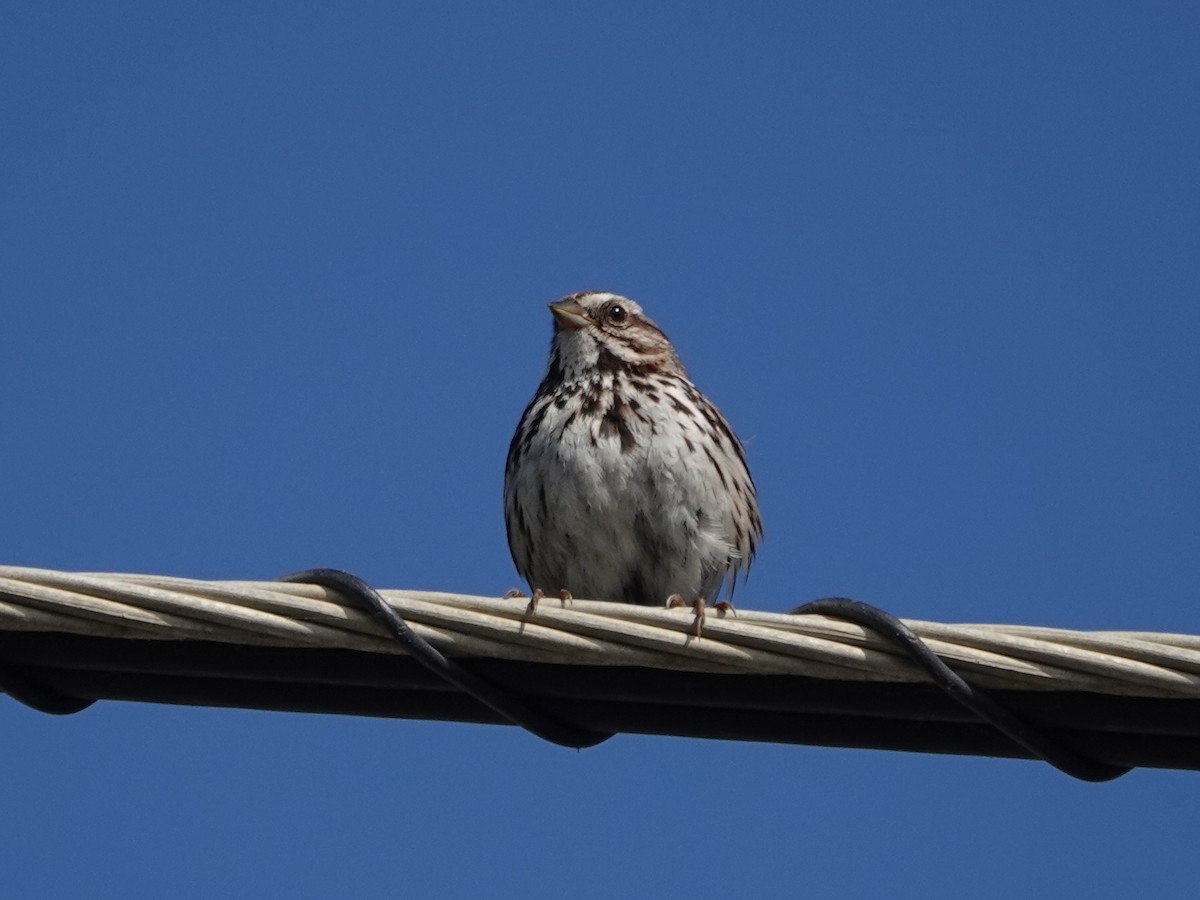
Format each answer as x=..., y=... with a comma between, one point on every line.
x=623, y=482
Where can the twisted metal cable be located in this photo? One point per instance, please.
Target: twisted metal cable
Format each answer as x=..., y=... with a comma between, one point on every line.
x=281, y=614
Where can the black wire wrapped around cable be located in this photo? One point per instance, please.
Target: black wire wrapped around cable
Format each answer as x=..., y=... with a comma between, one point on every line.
x=492, y=695
x=39, y=696
x=1029, y=736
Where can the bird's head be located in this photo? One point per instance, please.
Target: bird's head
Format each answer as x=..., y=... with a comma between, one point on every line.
x=596, y=331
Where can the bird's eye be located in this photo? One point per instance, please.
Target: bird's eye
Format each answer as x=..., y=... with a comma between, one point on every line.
x=617, y=315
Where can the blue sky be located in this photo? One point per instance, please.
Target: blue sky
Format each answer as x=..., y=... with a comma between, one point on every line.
x=273, y=286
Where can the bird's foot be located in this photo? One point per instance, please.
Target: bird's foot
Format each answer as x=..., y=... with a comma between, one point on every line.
x=537, y=596
x=564, y=597
x=676, y=601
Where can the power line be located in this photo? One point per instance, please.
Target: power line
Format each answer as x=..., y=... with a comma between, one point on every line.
x=1120, y=698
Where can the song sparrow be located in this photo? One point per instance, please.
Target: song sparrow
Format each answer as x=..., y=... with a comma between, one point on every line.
x=623, y=482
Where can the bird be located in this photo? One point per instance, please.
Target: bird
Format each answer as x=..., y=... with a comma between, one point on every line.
x=623, y=482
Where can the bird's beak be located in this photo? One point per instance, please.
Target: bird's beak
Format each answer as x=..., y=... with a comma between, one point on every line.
x=569, y=314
